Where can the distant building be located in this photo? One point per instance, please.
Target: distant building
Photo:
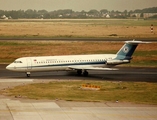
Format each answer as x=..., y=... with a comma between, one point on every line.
x=5, y=17
x=60, y=16
x=107, y=16
x=136, y=15
x=147, y=15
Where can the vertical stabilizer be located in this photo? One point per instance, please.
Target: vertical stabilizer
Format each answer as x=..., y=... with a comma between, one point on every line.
x=128, y=49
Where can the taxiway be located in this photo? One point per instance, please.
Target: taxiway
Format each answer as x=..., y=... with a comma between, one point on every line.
x=20, y=108
x=123, y=74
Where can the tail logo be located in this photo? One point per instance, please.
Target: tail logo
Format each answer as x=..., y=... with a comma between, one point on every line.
x=126, y=49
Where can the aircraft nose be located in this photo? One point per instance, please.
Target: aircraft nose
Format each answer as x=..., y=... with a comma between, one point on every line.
x=9, y=67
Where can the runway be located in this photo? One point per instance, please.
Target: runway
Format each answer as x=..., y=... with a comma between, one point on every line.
x=123, y=74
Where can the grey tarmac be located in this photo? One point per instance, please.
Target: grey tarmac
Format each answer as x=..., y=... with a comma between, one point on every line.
x=59, y=110
x=19, y=108
x=143, y=74
x=77, y=39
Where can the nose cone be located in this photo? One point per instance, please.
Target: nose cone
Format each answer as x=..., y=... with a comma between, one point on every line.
x=9, y=67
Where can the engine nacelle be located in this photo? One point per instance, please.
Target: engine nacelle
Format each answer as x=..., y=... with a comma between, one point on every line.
x=116, y=62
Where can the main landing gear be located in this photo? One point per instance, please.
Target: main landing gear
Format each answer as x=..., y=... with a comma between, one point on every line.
x=85, y=73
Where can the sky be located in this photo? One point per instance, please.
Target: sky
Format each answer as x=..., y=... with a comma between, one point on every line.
x=76, y=5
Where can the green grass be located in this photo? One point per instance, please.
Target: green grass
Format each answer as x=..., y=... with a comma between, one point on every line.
x=145, y=63
x=135, y=92
x=15, y=49
x=145, y=53
x=148, y=58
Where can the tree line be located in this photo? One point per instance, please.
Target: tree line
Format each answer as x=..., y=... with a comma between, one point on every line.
x=69, y=13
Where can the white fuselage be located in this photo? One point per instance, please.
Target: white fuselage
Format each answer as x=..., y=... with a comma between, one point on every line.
x=56, y=63
x=75, y=62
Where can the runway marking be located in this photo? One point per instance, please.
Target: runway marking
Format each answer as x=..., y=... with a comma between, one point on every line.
x=16, y=80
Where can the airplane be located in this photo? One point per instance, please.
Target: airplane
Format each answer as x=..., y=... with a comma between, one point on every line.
x=79, y=63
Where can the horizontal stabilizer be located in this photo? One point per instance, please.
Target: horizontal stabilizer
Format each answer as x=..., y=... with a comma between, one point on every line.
x=135, y=42
x=90, y=68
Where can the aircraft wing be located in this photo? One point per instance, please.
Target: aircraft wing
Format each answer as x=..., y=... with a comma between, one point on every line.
x=89, y=68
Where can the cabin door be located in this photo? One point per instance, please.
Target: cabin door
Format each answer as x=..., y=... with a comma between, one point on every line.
x=29, y=64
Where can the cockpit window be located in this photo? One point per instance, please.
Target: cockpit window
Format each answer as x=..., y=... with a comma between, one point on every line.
x=17, y=62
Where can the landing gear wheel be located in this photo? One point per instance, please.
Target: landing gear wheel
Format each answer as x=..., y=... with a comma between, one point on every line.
x=28, y=74
x=85, y=73
x=79, y=72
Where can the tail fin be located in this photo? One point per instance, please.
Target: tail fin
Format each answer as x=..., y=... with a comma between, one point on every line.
x=128, y=49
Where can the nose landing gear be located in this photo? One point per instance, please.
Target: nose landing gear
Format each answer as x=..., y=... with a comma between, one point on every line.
x=28, y=74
